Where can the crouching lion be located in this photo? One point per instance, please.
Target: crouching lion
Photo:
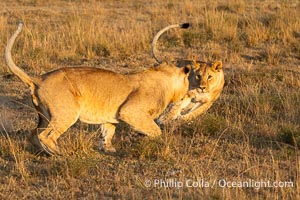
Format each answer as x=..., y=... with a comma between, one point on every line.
x=206, y=81
x=198, y=101
x=98, y=96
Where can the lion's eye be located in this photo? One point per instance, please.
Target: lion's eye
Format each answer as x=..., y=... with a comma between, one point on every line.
x=209, y=77
x=198, y=77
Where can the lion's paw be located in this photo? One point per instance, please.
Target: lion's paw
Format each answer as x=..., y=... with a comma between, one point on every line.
x=49, y=146
x=107, y=148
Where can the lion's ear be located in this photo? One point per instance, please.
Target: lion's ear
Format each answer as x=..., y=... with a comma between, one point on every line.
x=186, y=69
x=217, y=66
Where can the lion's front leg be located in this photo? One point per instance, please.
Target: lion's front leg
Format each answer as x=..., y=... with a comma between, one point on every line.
x=107, y=131
x=175, y=111
x=195, y=112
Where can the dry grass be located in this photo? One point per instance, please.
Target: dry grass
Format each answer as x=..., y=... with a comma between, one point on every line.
x=251, y=133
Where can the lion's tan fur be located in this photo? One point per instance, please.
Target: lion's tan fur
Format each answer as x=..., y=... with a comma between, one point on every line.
x=201, y=95
x=199, y=100
x=98, y=96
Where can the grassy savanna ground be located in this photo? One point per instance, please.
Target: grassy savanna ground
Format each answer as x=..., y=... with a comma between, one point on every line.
x=251, y=133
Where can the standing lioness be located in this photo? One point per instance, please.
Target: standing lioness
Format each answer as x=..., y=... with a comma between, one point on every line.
x=98, y=96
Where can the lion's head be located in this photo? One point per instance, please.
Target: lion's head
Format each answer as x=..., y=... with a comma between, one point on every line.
x=210, y=76
x=206, y=83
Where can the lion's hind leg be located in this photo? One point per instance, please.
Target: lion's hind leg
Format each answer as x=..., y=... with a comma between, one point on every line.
x=43, y=121
x=107, y=131
x=48, y=145
x=33, y=137
x=48, y=138
x=56, y=127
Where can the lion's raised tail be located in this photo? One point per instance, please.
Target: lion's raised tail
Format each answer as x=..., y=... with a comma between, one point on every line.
x=11, y=64
x=156, y=37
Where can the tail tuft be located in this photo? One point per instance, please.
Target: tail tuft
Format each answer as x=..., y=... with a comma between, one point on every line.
x=156, y=37
x=185, y=25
